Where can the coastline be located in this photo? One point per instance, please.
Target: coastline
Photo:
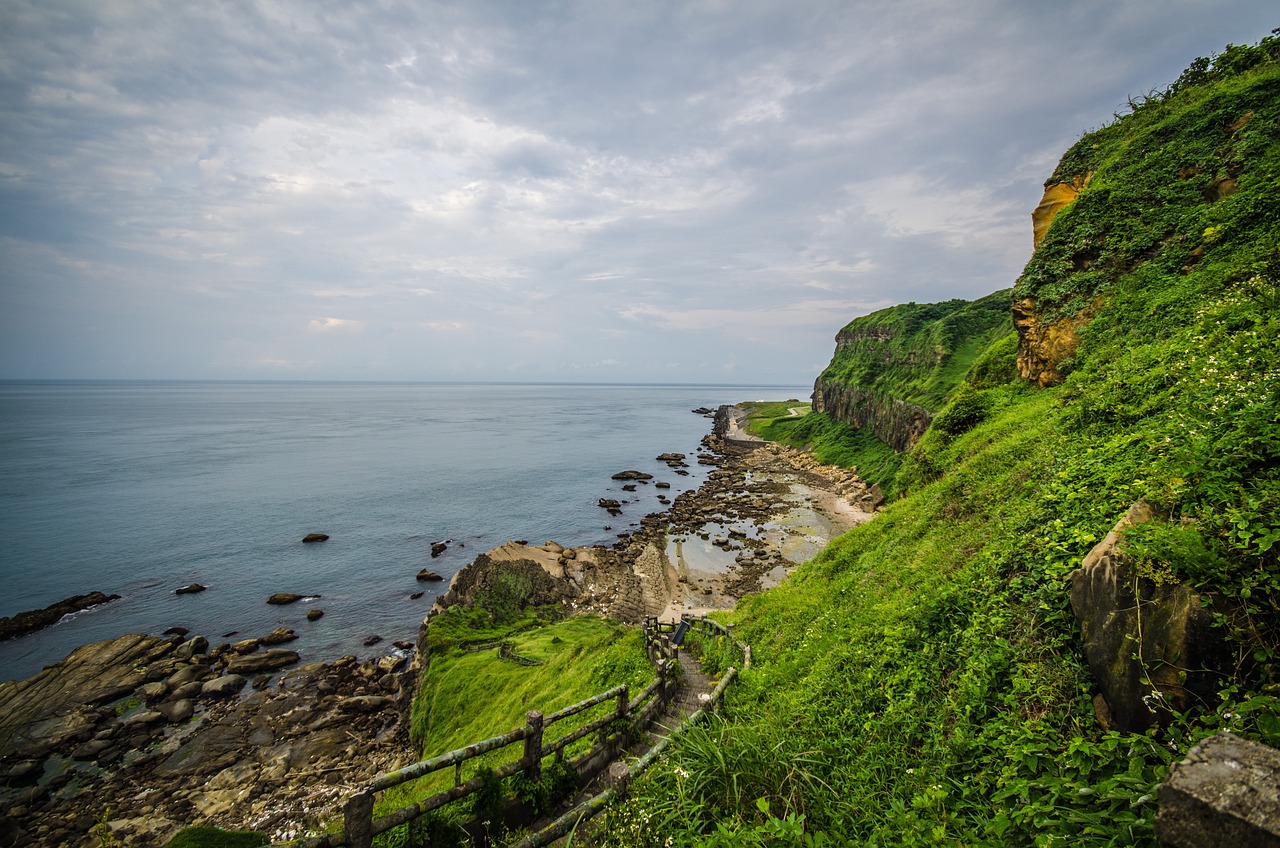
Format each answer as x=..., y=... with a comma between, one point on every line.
x=272, y=751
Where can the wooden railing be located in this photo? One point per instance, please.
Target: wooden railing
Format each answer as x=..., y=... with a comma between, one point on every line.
x=359, y=825
x=657, y=636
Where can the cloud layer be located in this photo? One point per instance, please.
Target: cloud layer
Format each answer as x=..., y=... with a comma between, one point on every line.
x=685, y=192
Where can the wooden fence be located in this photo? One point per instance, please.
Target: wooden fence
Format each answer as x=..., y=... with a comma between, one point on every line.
x=359, y=825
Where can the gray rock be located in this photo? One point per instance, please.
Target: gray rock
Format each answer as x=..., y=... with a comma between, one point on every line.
x=186, y=674
x=282, y=598
x=1139, y=636
x=192, y=647
x=223, y=687
x=153, y=691
x=187, y=690
x=366, y=704
x=143, y=718
x=1225, y=794
x=192, y=589
x=179, y=710
x=279, y=636
x=268, y=660
x=315, y=614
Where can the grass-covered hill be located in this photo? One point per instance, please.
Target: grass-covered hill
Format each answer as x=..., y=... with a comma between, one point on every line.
x=923, y=681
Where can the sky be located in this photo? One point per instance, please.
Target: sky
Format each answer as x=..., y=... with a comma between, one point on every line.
x=596, y=191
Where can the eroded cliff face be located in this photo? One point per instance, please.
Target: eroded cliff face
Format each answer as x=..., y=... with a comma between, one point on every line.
x=895, y=422
x=1044, y=346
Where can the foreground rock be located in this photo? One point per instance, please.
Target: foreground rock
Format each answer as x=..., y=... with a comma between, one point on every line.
x=165, y=735
x=33, y=620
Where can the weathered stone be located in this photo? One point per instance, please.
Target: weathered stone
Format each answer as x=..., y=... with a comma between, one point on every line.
x=55, y=705
x=1152, y=648
x=186, y=674
x=268, y=660
x=192, y=647
x=187, y=690
x=428, y=576
x=315, y=537
x=190, y=589
x=1225, y=794
x=438, y=548
x=282, y=598
x=366, y=703
x=33, y=620
x=1044, y=347
x=632, y=475
x=143, y=718
x=153, y=691
x=245, y=646
x=1056, y=198
x=370, y=641
x=179, y=710
x=279, y=636
x=223, y=687
x=315, y=614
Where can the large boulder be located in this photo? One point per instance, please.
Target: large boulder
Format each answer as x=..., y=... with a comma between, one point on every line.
x=1151, y=646
x=268, y=660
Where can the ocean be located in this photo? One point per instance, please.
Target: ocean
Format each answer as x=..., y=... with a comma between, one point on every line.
x=139, y=488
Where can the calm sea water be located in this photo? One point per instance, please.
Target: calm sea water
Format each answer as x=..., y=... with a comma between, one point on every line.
x=140, y=488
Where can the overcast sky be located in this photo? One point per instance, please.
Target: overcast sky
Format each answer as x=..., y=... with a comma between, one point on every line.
x=524, y=190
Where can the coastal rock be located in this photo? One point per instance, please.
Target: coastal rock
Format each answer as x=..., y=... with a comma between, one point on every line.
x=176, y=711
x=268, y=660
x=177, y=631
x=278, y=636
x=223, y=687
x=245, y=646
x=190, y=589
x=611, y=505
x=315, y=537
x=284, y=598
x=438, y=548
x=428, y=576
x=33, y=620
x=632, y=475
x=55, y=704
x=370, y=641
x=315, y=614
x=192, y=647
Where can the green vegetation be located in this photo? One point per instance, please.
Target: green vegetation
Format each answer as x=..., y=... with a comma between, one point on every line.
x=836, y=443
x=918, y=352
x=921, y=682
x=470, y=692
x=213, y=837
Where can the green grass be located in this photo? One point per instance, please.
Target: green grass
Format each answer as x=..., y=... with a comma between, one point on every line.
x=212, y=837
x=924, y=673
x=836, y=443
x=467, y=696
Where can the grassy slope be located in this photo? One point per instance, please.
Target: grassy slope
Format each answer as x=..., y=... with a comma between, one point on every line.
x=932, y=347
x=467, y=696
x=923, y=676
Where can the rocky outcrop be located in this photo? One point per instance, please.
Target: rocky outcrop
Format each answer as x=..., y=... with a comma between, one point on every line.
x=1151, y=647
x=29, y=622
x=1057, y=197
x=1044, y=348
x=159, y=733
x=895, y=422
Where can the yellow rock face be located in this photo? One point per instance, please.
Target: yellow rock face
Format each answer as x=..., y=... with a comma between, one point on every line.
x=1056, y=198
x=1042, y=348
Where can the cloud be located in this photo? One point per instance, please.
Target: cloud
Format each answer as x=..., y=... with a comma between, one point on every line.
x=326, y=325
x=485, y=186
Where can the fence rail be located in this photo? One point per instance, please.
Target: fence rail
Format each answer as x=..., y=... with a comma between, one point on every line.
x=359, y=825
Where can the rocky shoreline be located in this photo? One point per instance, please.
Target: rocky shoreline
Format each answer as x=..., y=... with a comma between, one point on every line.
x=150, y=734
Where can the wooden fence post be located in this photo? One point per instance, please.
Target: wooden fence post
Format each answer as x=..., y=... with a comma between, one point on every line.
x=533, y=746
x=357, y=818
x=624, y=701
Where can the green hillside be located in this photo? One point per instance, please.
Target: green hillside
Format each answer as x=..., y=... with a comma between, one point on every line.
x=923, y=680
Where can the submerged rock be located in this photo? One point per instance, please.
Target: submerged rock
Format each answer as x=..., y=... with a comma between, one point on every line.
x=315, y=537
x=191, y=589
x=33, y=620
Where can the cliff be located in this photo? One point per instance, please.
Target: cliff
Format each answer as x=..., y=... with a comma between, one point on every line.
x=895, y=368
x=1080, y=577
